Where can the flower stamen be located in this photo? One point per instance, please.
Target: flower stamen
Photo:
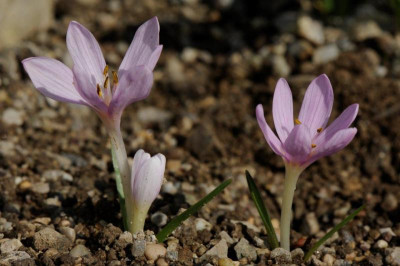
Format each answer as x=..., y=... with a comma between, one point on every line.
x=319, y=130
x=297, y=121
x=99, y=92
x=105, y=85
x=313, y=145
x=115, y=78
x=105, y=71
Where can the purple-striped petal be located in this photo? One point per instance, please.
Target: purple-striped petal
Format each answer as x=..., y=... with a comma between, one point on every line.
x=134, y=86
x=282, y=109
x=298, y=144
x=317, y=104
x=85, y=51
x=343, y=121
x=336, y=143
x=269, y=135
x=147, y=182
x=86, y=86
x=53, y=79
x=145, y=48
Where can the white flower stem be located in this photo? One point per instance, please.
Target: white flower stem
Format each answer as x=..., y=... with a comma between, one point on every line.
x=291, y=176
x=118, y=146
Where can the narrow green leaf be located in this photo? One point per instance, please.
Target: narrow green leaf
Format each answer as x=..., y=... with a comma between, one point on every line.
x=331, y=232
x=262, y=210
x=120, y=190
x=175, y=222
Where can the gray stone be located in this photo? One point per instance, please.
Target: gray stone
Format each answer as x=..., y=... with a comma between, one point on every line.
x=154, y=115
x=37, y=15
x=55, y=175
x=297, y=256
x=41, y=188
x=366, y=30
x=281, y=256
x=224, y=235
x=325, y=54
x=172, y=255
x=310, y=224
x=79, y=251
x=10, y=245
x=68, y=232
x=202, y=224
x=160, y=219
x=245, y=250
x=50, y=238
x=16, y=258
x=311, y=30
x=138, y=248
x=381, y=244
x=220, y=250
x=393, y=257
x=12, y=117
x=390, y=202
x=280, y=66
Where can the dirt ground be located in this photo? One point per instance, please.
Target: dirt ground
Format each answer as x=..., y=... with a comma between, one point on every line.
x=59, y=204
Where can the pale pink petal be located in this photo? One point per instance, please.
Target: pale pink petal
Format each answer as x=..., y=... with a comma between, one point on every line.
x=145, y=48
x=133, y=86
x=317, y=104
x=53, y=79
x=269, y=135
x=140, y=157
x=298, y=144
x=343, y=121
x=85, y=51
x=148, y=181
x=282, y=109
x=85, y=84
x=336, y=143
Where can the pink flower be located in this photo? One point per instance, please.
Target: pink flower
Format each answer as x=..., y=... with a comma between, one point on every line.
x=89, y=82
x=307, y=138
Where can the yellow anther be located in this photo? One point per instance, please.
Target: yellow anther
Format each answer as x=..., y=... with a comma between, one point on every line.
x=297, y=121
x=115, y=77
x=105, y=71
x=313, y=145
x=99, y=92
x=319, y=130
x=106, y=82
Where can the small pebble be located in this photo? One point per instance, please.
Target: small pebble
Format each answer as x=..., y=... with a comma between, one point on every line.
x=138, y=248
x=281, y=256
x=79, y=251
x=160, y=219
x=381, y=244
x=245, y=250
x=10, y=245
x=329, y=259
x=41, y=188
x=68, y=232
x=153, y=251
x=202, y=224
x=297, y=256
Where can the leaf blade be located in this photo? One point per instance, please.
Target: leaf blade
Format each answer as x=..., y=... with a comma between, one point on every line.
x=176, y=221
x=331, y=232
x=262, y=210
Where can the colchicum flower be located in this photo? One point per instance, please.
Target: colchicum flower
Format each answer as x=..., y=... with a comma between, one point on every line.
x=89, y=83
x=146, y=181
x=305, y=139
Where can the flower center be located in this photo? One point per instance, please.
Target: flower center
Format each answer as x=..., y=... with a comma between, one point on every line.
x=105, y=90
x=297, y=121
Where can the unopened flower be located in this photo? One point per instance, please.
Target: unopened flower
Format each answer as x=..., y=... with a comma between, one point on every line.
x=146, y=180
x=89, y=81
x=307, y=138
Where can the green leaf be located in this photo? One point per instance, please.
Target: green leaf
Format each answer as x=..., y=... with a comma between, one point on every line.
x=262, y=210
x=175, y=222
x=331, y=232
x=120, y=190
